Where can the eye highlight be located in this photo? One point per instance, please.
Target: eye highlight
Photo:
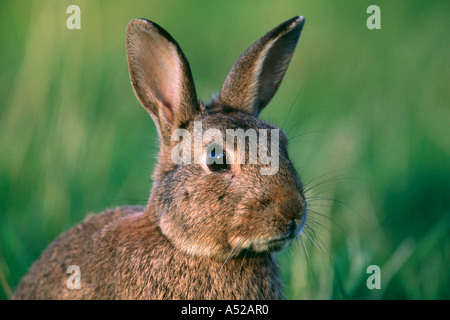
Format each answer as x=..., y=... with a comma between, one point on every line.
x=216, y=158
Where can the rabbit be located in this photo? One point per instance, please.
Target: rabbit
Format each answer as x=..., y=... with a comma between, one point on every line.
x=210, y=229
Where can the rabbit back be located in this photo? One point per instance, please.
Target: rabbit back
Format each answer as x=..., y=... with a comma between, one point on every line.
x=47, y=277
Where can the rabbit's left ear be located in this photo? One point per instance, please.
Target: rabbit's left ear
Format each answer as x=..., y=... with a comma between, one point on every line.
x=161, y=76
x=257, y=74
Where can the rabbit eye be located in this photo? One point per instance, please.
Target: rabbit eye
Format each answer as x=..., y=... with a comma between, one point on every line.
x=216, y=158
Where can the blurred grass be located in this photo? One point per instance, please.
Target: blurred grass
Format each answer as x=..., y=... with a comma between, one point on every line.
x=367, y=112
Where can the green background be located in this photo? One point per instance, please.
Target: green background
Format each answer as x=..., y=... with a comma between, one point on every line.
x=367, y=112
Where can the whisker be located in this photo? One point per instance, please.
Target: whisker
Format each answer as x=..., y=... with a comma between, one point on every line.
x=305, y=248
x=311, y=223
x=308, y=259
x=294, y=103
x=336, y=178
x=323, y=216
x=242, y=263
x=328, y=173
x=317, y=223
x=297, y=243
x=292, y=138
x=315, y=241
x=318, y=202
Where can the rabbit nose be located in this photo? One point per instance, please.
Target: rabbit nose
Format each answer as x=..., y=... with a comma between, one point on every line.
x=292, y=207
x=293, y=210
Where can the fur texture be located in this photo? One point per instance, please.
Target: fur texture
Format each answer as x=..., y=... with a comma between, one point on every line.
x=203, y=234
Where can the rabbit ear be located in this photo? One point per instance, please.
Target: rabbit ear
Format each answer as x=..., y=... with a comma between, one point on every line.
x=160, y=75
x=257, y=74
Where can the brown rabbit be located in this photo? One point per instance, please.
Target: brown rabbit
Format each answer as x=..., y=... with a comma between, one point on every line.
x=210, y=227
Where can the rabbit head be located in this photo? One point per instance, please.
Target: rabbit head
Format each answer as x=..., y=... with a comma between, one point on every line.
x=224, y=199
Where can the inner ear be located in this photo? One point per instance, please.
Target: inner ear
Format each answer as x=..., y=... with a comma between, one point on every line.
x=274, y=66
x=161, y=76
x=157, y=72
x=256, y=75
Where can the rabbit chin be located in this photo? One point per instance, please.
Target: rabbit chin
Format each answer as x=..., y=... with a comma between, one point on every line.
x=266, y=245
x=249, y=246
x=245, y=247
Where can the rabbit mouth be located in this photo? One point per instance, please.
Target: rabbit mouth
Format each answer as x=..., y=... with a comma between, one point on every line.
x=281, y=242
x=278, y=242
x=271, y=245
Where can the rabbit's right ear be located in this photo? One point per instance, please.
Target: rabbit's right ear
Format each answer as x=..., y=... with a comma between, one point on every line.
x=161, y=76
x=257, y=74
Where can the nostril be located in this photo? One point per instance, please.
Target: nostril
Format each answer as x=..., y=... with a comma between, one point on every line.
x=297, y=211
x=296, y=225
x=293, y=227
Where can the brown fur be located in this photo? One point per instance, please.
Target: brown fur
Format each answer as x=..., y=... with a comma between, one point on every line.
x=202, y=235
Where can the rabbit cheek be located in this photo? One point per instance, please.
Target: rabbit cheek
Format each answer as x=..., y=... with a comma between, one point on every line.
x=185, y=236
x=193, y=227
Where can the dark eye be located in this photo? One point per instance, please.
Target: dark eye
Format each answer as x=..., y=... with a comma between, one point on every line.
x=216, y=158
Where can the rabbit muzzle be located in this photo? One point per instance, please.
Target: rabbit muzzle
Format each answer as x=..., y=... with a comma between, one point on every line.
x=290, y=213
x=271, y=223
